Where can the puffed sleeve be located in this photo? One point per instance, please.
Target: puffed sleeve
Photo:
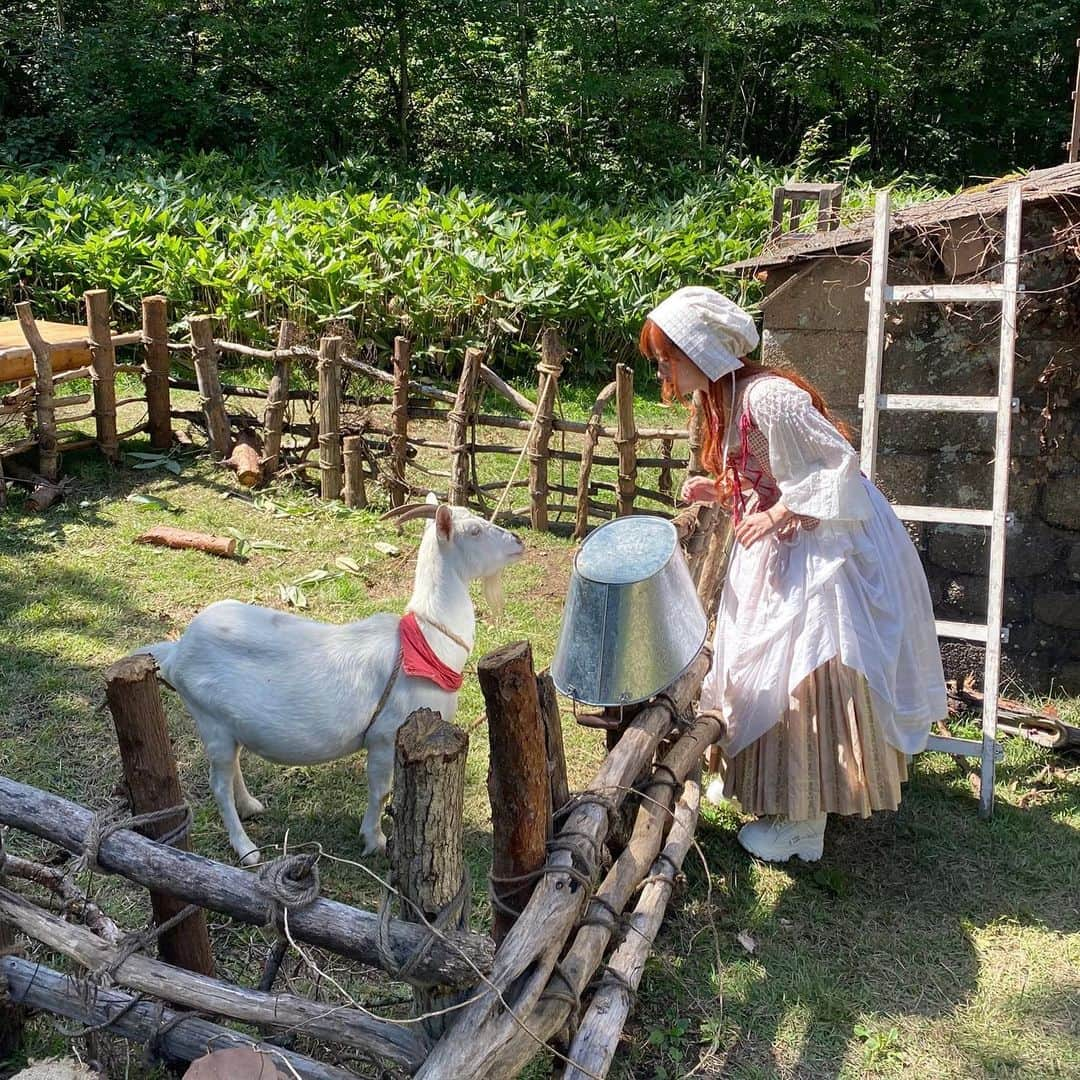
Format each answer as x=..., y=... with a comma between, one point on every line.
x=816, y=468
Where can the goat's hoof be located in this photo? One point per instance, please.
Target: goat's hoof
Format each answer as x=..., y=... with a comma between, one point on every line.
x=252, y=858
x=378, y=847
x=250, y=809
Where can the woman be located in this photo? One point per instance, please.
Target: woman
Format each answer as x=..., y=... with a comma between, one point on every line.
x=826, y=663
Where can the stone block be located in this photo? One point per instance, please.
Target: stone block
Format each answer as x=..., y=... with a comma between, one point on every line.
x=1073, y=564
x=1030, y=549
x=903, y=477
x=829, y=295
x=1067, y=676
x=967, y=481
x=964, y=598
x=1061, y=502
x=833, y=361
x=1060, y=608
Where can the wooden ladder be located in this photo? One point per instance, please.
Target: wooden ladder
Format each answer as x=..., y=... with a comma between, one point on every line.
x=1002, y=405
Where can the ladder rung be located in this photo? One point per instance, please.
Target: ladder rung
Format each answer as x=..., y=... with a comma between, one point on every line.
x=988, y=292
x=945, y=515
x=966, y=631
x=947, y=744
x=938, y=403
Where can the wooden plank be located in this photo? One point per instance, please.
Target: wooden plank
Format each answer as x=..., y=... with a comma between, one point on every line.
x=996, y=590
x=966, y=631
x=989, y=292
x=875, y=335
x=947, y=515
x=70, y=346
x=947, y=744
x=938, y=403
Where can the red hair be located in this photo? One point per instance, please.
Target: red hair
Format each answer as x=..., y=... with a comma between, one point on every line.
x=654, y=343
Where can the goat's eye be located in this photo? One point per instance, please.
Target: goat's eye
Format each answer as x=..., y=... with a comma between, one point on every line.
x=474, y=530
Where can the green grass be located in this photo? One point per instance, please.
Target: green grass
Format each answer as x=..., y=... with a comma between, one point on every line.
x=926, y=943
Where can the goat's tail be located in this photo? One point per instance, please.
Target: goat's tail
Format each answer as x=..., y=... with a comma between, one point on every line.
x=162, y=652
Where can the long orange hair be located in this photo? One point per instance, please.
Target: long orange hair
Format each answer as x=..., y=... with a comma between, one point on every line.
x=654, y=343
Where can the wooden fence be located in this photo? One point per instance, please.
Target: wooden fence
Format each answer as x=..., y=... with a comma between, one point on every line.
x=352, y=433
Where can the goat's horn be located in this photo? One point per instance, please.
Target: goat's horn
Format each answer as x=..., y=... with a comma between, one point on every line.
x=410, y=513
x=394, y=511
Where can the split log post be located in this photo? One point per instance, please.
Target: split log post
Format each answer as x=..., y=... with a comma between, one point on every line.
x=330, y=418
x=277, y=397
x=696, y=466
x=150, y=771
x=155, y=321
x=459, y=417
x=399, y=422
x=427, y=849
x=48, y=456
x=181, y=1036
x=350, y=931
x=355, y=492
x=663, y=484
x=518, y=784
x=103, y=358
x=553, y=740
x=592, y=434
x=183, y=539
x=593, y=1047
x=550, y=368
x=625, y=439
x=206, y=354
x=339, y=1025
x=525, y=960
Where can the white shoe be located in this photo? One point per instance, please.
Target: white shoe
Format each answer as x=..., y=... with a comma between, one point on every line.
x=777, y=839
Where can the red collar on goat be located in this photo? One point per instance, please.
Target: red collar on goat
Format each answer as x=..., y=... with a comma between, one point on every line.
x=419, y=659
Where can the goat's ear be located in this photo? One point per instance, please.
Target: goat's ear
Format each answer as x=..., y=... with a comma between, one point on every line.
x=444, y=522
x=432, y=499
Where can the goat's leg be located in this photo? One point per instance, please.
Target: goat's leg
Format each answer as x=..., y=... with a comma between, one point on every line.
x=222, y=772
x=246, y=803
x=380, y=775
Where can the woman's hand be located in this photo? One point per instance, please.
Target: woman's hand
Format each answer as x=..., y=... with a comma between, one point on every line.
x=698, y=489
x=755, y=527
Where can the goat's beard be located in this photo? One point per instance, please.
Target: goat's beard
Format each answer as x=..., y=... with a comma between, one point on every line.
x=493, y=594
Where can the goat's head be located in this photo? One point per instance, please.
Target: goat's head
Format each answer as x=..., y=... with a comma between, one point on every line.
x=476, y=549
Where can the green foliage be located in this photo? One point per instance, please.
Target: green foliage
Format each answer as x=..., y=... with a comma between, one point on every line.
x=450, y=268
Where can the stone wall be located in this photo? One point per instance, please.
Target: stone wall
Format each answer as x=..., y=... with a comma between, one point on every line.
x=815, y=321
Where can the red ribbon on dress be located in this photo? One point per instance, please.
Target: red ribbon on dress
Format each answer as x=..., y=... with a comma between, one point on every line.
x=419, y=659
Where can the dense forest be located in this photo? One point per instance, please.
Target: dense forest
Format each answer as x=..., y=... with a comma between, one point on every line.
x=586, y=95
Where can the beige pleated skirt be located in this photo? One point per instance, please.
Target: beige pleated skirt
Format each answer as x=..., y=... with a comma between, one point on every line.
x=826, y=755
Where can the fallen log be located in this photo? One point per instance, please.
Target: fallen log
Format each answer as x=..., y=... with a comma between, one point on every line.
x=339, y=1024
x=167, y=536
x=180, y=1036
x=350, y=931
x=246, y=459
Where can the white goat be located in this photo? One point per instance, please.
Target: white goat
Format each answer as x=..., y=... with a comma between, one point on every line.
x=299, y=692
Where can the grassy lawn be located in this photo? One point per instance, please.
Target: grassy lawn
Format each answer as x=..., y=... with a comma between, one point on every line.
x=926, y=942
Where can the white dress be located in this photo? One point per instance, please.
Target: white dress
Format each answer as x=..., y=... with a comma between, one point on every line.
x=850, y=589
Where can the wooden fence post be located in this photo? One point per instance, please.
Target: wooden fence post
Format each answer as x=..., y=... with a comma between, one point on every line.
x=48, y=457
x=626, y=439
x=427, y=849
x=205, y=354
x=464, y=405
x=399, y=422
x=550, y=368
x=277, y=398
x=103, y=356
x=667, y=449
x=330, y=418
x=150, y=771
x=355, y=492
x=518, y=784
x=592, y=435
x=553, y=738
x=696, y=466
x=155, y=321
x=12, y=1017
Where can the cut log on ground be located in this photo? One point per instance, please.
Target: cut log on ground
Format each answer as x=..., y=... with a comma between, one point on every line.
x=246, y=459
x=350, y=931
x=182, y=539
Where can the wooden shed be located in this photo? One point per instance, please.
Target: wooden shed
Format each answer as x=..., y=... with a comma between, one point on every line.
x=815, y=320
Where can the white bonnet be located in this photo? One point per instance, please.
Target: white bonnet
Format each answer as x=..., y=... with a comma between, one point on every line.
x=711, y=329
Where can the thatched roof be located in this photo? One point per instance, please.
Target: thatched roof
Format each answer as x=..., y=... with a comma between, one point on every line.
x=985, y=201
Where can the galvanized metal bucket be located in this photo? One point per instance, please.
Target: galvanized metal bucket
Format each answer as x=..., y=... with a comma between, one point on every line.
x=632, y=622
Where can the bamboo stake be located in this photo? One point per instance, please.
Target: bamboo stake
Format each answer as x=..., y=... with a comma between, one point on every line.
x=459, y=417
x=181, y=1036
x=103, y=356
x=330, y=418
x=592, y=434
x=399, y=421
x=155, y=319
x=626, y=438
x=597, y=1038
x=518, y=784
x=150, y=771
x=355, y=492
x=427, y=852
x=205, y=353
x=277, y=397
x=550, y=368
x=48, y=458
